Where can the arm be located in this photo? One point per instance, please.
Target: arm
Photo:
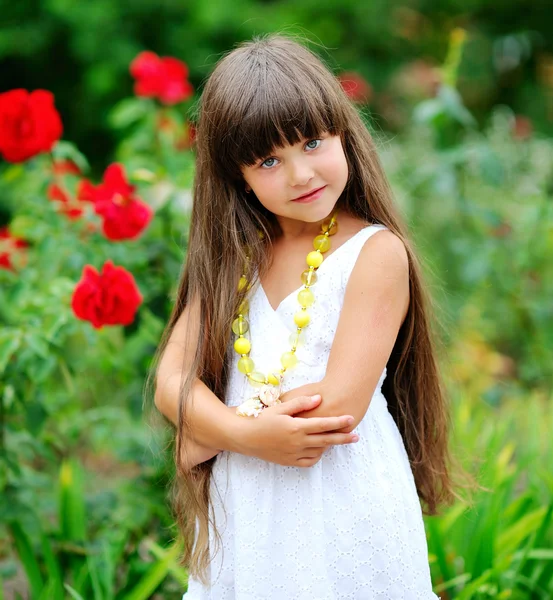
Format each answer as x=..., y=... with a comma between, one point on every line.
x=276, y=436
x=210, y=425
x=212, y=441
x=375, y=305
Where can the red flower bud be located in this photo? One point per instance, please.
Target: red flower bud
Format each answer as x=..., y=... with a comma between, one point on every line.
x=10, y=249
x=29, y=124
x=107, y=298
x=65, y=167
x=71, y=207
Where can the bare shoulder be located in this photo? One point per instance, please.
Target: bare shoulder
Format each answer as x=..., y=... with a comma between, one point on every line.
x=385, y=249
x=382, y=272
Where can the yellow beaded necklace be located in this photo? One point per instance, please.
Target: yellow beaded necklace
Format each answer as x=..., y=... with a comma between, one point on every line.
x=268, y=392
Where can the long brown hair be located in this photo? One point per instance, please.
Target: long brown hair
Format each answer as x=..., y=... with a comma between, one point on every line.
x=264, y=94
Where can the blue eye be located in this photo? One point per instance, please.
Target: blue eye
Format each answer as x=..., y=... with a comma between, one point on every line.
x=264, y=163
x=310, y=142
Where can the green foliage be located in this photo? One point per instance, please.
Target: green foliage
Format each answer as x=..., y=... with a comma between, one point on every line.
x=92, y=44
x=502, y=547
x=74, y=564
x=82, y=481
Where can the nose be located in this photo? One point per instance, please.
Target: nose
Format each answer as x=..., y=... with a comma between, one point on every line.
x=300, y=173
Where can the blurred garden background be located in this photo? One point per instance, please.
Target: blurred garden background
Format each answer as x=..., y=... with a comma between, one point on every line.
x=96, y=164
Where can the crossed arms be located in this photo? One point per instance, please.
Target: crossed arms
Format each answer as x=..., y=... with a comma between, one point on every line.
x=375, y=304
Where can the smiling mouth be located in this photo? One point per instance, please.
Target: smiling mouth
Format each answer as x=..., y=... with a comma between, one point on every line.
x=305, y=196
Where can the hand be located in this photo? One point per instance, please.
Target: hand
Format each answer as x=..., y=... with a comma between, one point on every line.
x=276, y=436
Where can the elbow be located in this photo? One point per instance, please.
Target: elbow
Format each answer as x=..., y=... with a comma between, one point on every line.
x=162, y=386
x=338, y=402
x=158, y=399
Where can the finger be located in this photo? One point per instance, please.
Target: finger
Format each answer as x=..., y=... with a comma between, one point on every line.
x=307, y=462
x=313, y=452
x=332, y=439
x=320, y=424
x=299, y=404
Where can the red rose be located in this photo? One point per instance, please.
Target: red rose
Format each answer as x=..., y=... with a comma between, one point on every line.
x=355, y=86
x=10, y=248
x=161, y=78
x=124, y=215
x=29, y=124
x=107, y=298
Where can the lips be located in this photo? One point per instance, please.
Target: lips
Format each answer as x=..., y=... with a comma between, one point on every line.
x=309, y=194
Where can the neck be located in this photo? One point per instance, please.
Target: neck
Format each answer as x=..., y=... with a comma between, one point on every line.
x=293, y=229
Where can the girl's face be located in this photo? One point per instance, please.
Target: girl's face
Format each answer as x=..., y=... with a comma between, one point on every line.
x=280, y=179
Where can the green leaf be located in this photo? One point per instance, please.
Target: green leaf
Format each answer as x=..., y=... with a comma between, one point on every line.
x=128, y=111
x=178, y=572
x=10, y=342
x=55, y=582
x=74, y=594
x=67, y=150
x=155, y=575
x=512, y=537
x=438, y=547
x=27, y=558
x=71, y=505
x=35, y=416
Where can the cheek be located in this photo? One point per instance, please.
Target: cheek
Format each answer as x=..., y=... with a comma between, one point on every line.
x=336, y=168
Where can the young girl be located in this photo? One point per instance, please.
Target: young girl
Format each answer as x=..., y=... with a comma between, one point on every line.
x=298, y=364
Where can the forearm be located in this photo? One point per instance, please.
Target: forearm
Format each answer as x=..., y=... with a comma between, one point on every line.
x=330, y=406
x=214, y=426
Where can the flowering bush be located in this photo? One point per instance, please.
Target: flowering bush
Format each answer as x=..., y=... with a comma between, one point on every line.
x=86, y=272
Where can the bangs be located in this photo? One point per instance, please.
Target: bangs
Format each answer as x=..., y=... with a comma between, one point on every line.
x=270, y=103
x=277, y=120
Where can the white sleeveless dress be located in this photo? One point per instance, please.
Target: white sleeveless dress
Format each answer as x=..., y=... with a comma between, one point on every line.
x=349, y=527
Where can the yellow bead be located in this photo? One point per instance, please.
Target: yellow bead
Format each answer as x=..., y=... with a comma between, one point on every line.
x=246, y=365
x=330, y=226
x=309, y=277
x=242, y=283
x=296, y=339
x=314, y=259
x=306, y=297
x=244, y=308
x=257, y=379
x=242, y=345
x=321, y=243
x=289, y=360
x=302, y=318
x=240, y=326
x=273, y=378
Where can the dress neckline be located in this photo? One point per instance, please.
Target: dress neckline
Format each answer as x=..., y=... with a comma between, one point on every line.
x=325, y=261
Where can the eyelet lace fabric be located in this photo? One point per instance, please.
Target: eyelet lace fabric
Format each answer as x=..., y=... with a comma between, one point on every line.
x=348, y=528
